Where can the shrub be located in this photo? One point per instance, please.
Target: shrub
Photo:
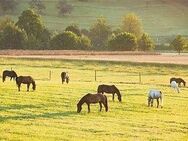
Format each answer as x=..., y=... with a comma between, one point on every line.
x=84, y=43
x=123, y=41
x=74, y=28
x=66, y=40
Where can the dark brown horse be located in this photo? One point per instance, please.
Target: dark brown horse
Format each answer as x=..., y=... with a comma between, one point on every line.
x=25, y=80
x=111, y=89
x=93, y=98
x=178, y=81
x=11, y=74
x=65, y=77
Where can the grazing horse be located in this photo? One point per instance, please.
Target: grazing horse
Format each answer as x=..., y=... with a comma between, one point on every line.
x=93, y=98
x=175, y=86
x=25, y=80
x=11, y=74
x=111, y=89
x=178, y=80
x=155, y=94
x=65, y=77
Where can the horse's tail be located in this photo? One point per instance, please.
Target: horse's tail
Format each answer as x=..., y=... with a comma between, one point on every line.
x=106, y=102
x=34, y=84
x=161, y=98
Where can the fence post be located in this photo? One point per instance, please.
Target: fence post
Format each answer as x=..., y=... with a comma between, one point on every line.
x=50, y=75
x=95, y=75
x=140, y=80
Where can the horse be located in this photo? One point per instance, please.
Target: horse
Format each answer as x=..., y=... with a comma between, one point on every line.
x=65, y=77
x=93, y=98
x=111, y=89
x=11, y=74
x=25, y=80
x=155, y=94
x=178, y=80
x=174, y=85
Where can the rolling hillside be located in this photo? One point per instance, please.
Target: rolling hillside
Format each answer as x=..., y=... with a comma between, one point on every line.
x=159, y=17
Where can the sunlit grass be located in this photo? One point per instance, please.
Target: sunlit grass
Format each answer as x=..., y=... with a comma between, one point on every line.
x=49, y=113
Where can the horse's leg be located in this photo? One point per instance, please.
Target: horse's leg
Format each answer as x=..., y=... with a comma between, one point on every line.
x=157, y=102
x=113, y=97
x=100, y=106
x=28, y=86
x=88, y=108
x=151, y=102
x=105, y=105
x=19, y=85
x=10, y=78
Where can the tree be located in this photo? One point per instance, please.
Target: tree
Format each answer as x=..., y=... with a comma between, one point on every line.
x=146, y=43
x=64, y=7
x=66, y=40
x=38, y=6
x=100, y=33
x=131, y=24
x=31, y=23
x=7, y=6
x=12, y=37
x=4, y=22
x=178, y=44
x=74, y=28
x=123, y=41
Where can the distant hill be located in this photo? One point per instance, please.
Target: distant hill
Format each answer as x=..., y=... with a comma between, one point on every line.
x=159, y=17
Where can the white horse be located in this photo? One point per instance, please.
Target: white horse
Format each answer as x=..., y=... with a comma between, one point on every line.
x=174, y=85
x=155, y=94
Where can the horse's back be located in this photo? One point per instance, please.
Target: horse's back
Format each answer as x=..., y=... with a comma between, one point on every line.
x=174, y=84
x=24, y=79
x=154, y=94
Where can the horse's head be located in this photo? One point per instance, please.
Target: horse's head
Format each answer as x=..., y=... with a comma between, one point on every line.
x=119, y=98
x=184, y=83
x=14, y=74
x=79, y=108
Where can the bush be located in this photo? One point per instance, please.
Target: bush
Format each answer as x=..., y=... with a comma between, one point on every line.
x=84, y=43
x=66, y=40
x=123, y=41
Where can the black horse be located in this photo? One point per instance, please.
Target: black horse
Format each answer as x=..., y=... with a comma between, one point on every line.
x=111, y=89
x=92, y=98
x=178, y=81
x=25, y=80
x=11, y=74
x=65, y=77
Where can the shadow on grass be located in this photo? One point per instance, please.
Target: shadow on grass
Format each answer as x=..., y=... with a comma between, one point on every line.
x=52, y=115
x=17, y=107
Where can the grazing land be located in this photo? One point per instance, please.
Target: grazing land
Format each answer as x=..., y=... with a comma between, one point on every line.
x=49, y=113
x=159, y=17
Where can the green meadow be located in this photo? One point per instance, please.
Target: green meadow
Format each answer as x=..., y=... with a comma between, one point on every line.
x=49, y=113
x=159, y=17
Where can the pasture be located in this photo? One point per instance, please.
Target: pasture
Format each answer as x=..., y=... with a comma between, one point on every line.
x=49, y=113
x=159, y=17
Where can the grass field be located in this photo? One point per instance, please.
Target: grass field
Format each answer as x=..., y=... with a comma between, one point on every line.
x=159, y=17
x=49, y=113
